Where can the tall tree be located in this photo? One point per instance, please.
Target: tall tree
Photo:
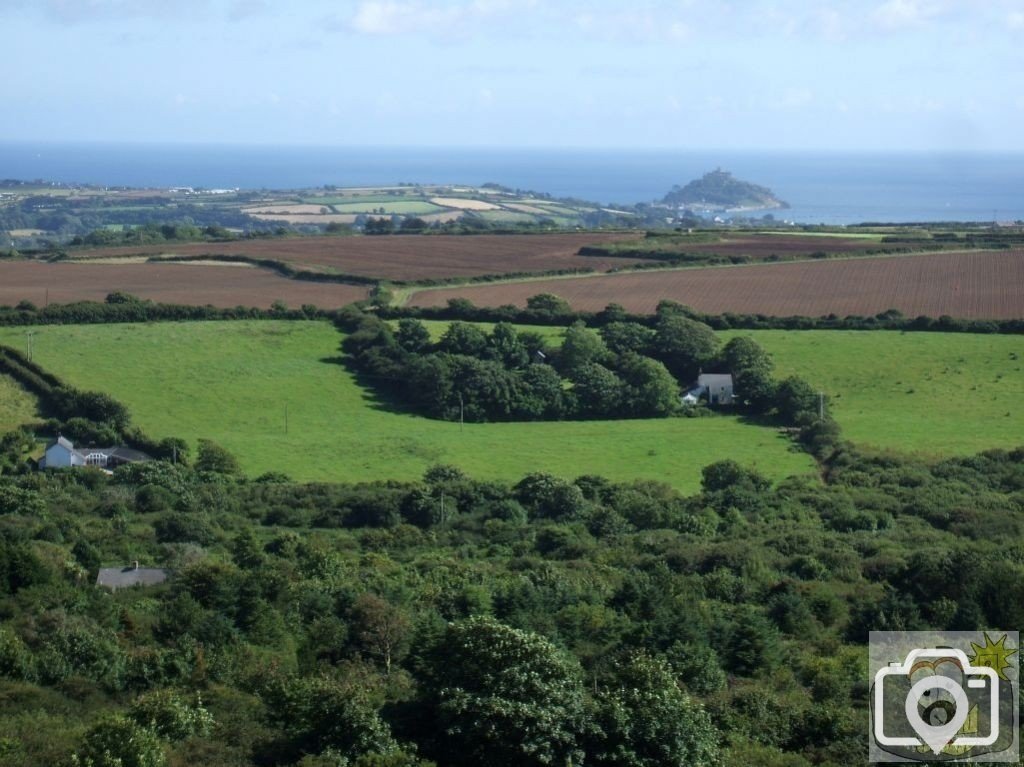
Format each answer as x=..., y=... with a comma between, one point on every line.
x=599, y=392
x=541, y=394
x=796, y=400
x=645, y=720
x=627, y=337
x=581, y=347
x=751, y=369
x=504, y=697
x=464, y=338
x=214, y=458
x=504, y=345
x=684, y=345
x=549, y=304
x=412, y=335
x=651, y=391
x=381, y=629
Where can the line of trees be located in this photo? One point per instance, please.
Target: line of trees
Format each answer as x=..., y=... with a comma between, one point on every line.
x=547, y=309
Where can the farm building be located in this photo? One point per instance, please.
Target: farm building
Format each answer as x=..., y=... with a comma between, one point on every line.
x=115, y=578
x=62, y=454
x=716, y=387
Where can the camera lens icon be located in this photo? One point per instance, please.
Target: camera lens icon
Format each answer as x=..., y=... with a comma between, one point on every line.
x=936, y=707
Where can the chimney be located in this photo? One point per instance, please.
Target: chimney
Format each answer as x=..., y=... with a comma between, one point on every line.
x=135, y=564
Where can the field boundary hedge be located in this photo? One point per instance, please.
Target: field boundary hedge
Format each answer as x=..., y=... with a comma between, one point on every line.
x=125, y=308
x=462, y=309
x=287, y=270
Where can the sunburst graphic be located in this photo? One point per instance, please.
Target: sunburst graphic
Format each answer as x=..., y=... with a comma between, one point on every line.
x=993, y=655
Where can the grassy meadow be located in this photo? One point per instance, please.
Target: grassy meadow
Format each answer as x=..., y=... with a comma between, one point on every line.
x=232, y=381
x=403, y=207
x=17, y=406
x=932, y=393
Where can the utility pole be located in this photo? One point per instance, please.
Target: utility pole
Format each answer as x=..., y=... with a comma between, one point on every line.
x=28, y=338
x=821, y=406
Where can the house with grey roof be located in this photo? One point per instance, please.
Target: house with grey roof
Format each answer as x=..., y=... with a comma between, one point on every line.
x=115, y=578
x=715, y=387
x=62, y=454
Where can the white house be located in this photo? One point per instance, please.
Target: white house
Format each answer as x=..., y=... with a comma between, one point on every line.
x=61, y=454
x=716, y=387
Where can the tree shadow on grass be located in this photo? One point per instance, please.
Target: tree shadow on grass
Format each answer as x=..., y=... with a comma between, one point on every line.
x=776, y=424
x=377, y=397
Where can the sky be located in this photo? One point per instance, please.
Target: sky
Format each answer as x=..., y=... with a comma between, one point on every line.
x=681, y=74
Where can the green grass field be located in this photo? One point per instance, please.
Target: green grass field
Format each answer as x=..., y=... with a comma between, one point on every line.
x=17, y=406
x=400, y=207
x=932, y=393
x=359, y=198
x=937, y=394
x=505, y=216
x=231, y=381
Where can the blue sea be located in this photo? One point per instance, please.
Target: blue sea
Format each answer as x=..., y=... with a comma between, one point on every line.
x=829, y=188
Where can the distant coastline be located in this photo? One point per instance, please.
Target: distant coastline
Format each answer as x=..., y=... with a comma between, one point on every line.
x=830, y=188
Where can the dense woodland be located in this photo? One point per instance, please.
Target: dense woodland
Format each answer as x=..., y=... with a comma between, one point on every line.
x=463, y=622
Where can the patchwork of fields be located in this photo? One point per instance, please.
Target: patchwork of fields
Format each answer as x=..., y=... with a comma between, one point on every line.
x=977, y=284
x=406, y=257
x=431, y=203
x=231, y=382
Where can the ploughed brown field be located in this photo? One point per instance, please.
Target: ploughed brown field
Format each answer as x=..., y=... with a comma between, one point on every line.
x=985, y=285
x=762, y=246
x=223, y=286
x=406, y=257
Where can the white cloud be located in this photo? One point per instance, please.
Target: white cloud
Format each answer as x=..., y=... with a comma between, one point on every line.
x=452, y=19
x=377, y=18
x=85, y=11
x=899, y=14
x=1015, y=19
x=830, y=23
x=632, y=26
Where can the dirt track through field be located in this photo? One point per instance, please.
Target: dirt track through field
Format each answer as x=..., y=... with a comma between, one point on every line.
x=986, y=285
x=223, y=286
